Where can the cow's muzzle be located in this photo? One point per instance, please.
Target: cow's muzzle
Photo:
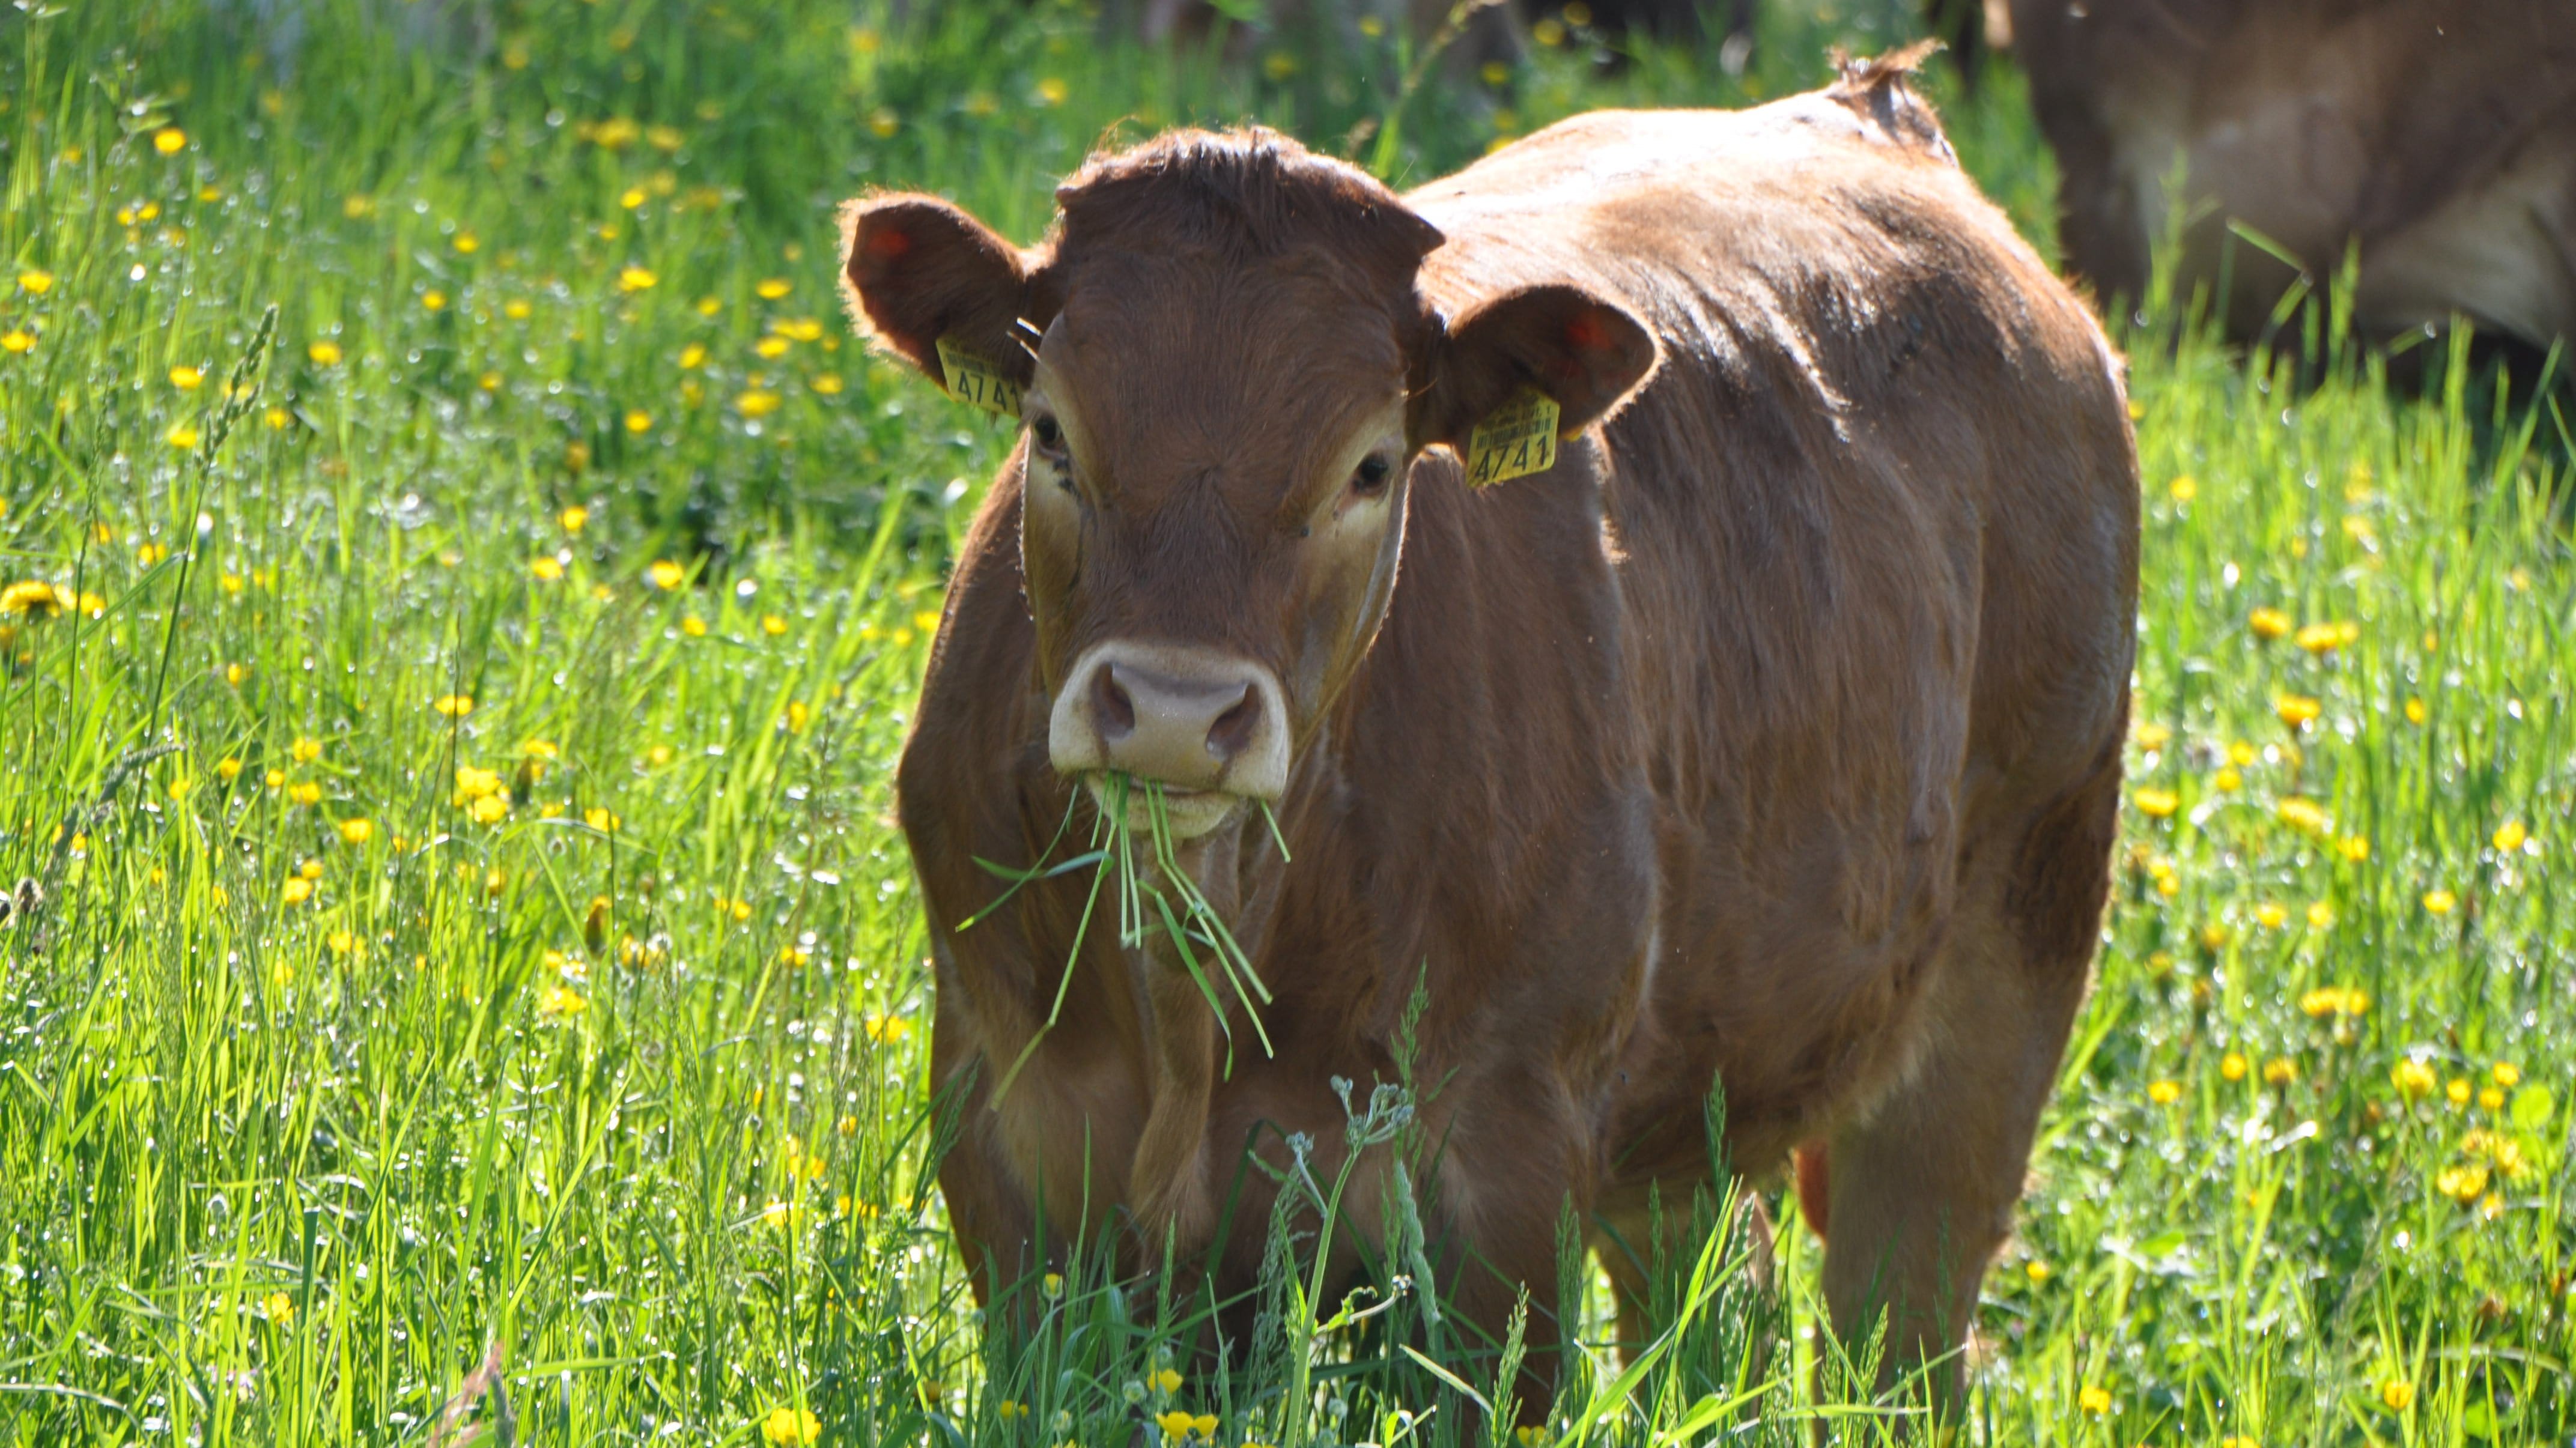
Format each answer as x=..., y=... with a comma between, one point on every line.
x=1210, y=728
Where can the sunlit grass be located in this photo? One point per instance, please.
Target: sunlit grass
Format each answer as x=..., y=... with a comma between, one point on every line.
x=446, y=726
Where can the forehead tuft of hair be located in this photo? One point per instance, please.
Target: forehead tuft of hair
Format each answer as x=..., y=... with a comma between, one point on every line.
x=1244, y=194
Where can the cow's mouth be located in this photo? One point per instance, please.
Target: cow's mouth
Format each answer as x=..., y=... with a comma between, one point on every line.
x=1185, y=814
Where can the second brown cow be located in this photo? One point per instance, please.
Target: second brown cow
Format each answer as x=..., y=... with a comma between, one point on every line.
x=1772, y=734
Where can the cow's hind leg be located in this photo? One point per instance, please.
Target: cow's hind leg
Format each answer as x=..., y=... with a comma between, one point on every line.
x=1919, y=1193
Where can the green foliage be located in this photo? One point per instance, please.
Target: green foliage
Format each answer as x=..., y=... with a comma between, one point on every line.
x=482, y=592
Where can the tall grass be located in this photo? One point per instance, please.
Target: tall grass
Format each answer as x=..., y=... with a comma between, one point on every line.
x=463, y=925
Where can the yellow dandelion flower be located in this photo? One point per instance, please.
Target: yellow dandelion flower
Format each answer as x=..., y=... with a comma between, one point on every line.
x=2462, y=1183
x=36, y=283
x=433, y=299
x=769, y=289
x=632, y=198
x=2456, y=1091
x=2094, y=1400
x=2511, y=837
x=1175, y=1423
x=757, y=402
x=2268, y=623
x=2156, y=803
x=2441, y=902
x=17, y=341
x=2321, y=915
x=573, y=518
x=2416, y=713
x=1052, y=92
x=305, y=793
x=2396, y=1395
x=770, y=348
x=228, y=768
x=546, y=569
x=2355, y=848
x=2413, y=1079
x=324, y=354
x=2492, y=1098
x=2233, y=1066
x=694, y=626
x=2297, y=710
x=296, y=890
x=278, y=1308
x=636, y=278
x=467, y=243
x=639, y=421
x=2505, y=1073
x=454, y=706
x=883, y=122
x=357, y=831
x=772, y=625
x=491, y=809
x=33, y=596
x=600, y=819
x=2164, y=1093
x=2304, y=815
x=181, y=437
x=886, y=1030
x=2280, y=1071
x=1052, y=1285
x=2323, y=638
x=2038, y=1272
x=692, y=357
x=665, y=574
x=342, y=942
x=169, y=140
x=828, y=384
x=187, y=379
x=561, y=1002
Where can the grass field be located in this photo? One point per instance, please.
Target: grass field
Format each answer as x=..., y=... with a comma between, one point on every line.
x=465, y=593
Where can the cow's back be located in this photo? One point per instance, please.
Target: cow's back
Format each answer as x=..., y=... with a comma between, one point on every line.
x=1875, y=523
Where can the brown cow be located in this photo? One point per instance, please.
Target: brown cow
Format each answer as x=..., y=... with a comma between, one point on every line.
x=1772, y=734
x=2437, y=136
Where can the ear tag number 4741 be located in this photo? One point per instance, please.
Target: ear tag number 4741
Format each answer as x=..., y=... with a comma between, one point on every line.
x=1514, y=440
x=975, y=381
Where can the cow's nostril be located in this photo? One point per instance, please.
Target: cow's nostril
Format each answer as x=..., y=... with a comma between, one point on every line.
x=1232, y=732
x=1112, y=712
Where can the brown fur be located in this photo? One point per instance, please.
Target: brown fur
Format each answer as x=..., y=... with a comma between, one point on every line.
x=2436, y=136
x=1771, y=736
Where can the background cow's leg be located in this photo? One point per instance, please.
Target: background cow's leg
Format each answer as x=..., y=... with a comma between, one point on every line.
x=1921, y=1191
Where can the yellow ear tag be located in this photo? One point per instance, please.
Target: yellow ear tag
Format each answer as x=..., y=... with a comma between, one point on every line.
x=1514, y=440
x=977, y=382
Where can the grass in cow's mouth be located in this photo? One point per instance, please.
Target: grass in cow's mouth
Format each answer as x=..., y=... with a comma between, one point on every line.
x=1159, y=905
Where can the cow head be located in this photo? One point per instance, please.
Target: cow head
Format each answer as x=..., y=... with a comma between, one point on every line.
x=1227, y=373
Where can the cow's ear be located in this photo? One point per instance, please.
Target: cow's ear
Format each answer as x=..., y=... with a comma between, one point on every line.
x=917, y=269
x=1585, y=354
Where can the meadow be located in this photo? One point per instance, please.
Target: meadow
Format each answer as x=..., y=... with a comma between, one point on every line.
x=464, y=590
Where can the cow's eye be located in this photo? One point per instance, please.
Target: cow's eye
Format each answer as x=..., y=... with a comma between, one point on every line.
x=1371, y=474
x=1050, y=436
